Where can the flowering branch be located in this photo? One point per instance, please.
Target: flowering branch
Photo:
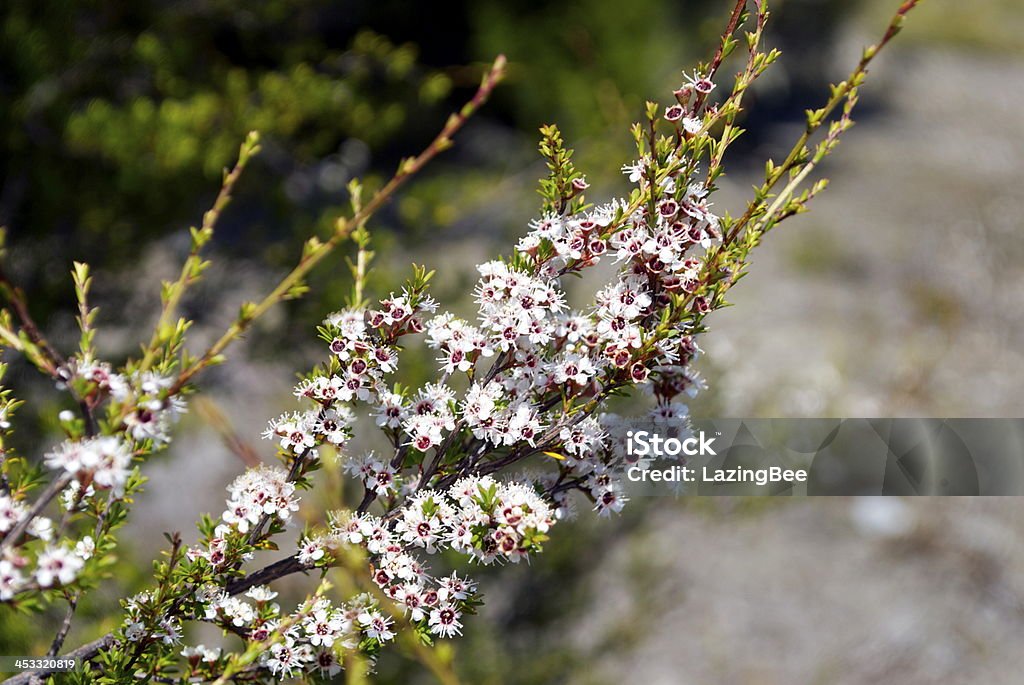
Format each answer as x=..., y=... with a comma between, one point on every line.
x=538, y=377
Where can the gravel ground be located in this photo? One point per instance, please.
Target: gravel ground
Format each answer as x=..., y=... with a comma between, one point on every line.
x=899, y=294
x=820, y=591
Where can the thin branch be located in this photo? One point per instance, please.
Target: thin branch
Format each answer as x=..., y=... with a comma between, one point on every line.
x=210, y=413
x=730, y=29
x=278, y=569
x=193, y=264
x=50, y=360
x=65, y=626
x=52, y=490
x=408, y=168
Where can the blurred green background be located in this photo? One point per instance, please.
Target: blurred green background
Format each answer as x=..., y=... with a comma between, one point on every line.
x=898, y=295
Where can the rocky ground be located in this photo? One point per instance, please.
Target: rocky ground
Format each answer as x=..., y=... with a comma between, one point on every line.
x=838, y=591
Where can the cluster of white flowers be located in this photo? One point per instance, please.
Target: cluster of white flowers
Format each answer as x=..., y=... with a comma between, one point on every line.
x=545, y=360
x=316, y=637
x=376, y=474
x=577, y=239
x=546, y=355
x=461, y=343
x=429, y=416
x=101, y=463
x=300, y=433
x=477, y=516
x=201, y=653
x=435, y=605
x=105, y=461
x=537, y=371
x=56, y=565
x=516, y=305
x=154, y=411
x=101, y=375
x=167, y=629
x=491, y=416
x=259, y=492
x=309, y=640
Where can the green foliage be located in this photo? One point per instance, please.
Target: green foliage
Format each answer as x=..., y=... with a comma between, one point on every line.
x=118, y=118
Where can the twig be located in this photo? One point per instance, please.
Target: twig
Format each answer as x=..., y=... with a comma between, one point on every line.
x=209, y=412
x=408, y=168
x=65, y=626
x=51, y=360
x=278, y=569
x=193, y=265
x=51, y=491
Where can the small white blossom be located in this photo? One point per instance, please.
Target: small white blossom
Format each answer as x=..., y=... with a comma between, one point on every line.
x=57, y=566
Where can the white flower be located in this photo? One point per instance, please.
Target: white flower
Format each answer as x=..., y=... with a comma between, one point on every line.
x=70, y=496
x=57, y=565
x=701, y=84
x=609, y=500
x=11, y=580
x=327, y=663
x=444, y=621
x=350, y=329
x=41, y=527
x=296, y=432
x=260, y=593
x=105, y=458
x=425, y=430
x=375, y=625
x=635, y=171
x=670, y=413
x=170, y=631
x=323, y=626
x=389, y=411
x=574, y=368
x=85, y=548
x=11, y=512
x=458, y=588
x=285, y=658
x=523, y=424
x=580, y=439
x=423, y=521
x=134, y=631
x=311, y=551
x=385, y=358
x=201, y=652
x=333, y=425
